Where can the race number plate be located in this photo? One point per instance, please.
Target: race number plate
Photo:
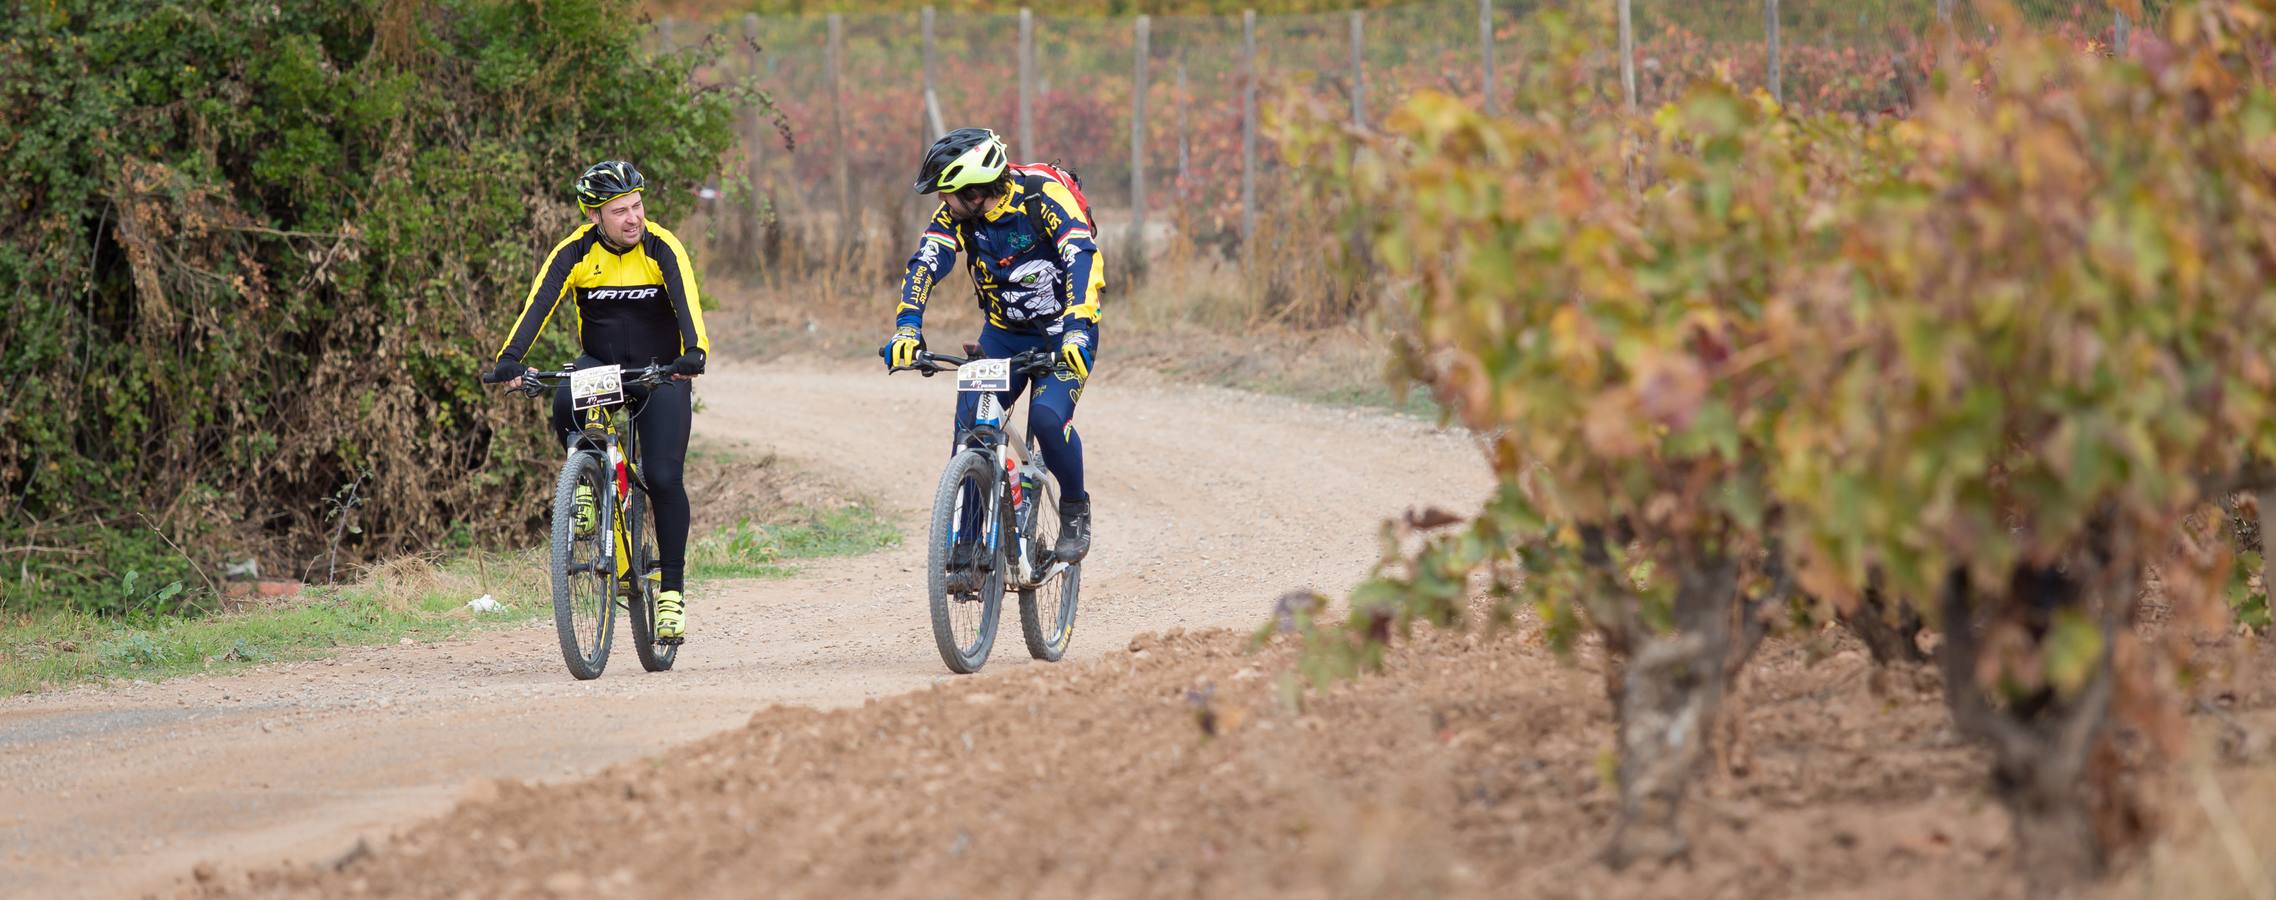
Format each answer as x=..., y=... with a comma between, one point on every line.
x=984, y=375
x=597, y=386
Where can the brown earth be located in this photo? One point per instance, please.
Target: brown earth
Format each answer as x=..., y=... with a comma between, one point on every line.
x=810, y=743
x=1187, y=765
x=1210, y=504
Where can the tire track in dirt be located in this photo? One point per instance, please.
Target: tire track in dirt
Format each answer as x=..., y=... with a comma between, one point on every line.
x=1209, y=502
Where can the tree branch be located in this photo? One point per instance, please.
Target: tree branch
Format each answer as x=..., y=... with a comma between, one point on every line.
x=1752, y=626
x=194, y=567
x=256, y=229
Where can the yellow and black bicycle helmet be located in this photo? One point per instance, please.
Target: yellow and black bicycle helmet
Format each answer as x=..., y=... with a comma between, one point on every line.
x=961, y=159
x=606, y=181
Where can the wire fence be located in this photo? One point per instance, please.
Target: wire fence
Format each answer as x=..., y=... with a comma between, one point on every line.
x=1166, y=119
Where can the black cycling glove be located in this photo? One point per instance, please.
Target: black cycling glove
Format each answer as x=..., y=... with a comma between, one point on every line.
x=506, y=370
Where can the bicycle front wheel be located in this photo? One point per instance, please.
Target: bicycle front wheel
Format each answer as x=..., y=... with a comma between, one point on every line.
x=966, y=562
x=584, y=574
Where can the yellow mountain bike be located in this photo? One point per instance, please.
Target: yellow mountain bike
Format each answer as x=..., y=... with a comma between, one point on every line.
x=604, y=555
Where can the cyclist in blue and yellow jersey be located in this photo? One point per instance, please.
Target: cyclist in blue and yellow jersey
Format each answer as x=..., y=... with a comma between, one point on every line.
x=635, y=294
x=1027, y=242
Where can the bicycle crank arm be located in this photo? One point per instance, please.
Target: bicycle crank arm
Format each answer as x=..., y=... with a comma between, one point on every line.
x=1057, y=568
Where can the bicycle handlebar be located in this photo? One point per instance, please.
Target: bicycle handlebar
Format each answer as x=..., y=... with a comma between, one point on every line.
x=533, y=382
x=1032, y=362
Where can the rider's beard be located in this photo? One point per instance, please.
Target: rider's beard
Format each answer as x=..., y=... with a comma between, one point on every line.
x=963, y=212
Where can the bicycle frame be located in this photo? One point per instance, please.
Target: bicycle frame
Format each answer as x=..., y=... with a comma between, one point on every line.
x=606, y=432
x=618, y=446
x=1012, y=473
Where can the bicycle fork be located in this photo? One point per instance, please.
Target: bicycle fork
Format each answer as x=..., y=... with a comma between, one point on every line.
x=620, y=472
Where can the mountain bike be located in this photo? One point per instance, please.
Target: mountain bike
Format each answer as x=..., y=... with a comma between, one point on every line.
x=995, y=521
x=592, y=577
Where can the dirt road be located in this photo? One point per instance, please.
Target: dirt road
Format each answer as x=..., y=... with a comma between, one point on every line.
x=1210, y=503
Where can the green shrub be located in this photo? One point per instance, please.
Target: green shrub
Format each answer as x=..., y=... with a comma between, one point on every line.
x=263, y=249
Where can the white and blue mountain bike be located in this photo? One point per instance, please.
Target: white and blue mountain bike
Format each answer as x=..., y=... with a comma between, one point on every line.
x=995, y=521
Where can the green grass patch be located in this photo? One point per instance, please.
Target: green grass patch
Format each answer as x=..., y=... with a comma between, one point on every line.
x=121, y=571
x=747, y=550
x=409, y=598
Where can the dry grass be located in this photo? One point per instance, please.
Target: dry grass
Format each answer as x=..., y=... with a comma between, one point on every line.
x=1194, y=317
x=409, y=583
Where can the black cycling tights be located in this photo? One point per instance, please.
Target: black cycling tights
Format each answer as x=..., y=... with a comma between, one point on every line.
x=660, y=415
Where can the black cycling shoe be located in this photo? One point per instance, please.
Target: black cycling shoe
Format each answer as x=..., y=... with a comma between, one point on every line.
x=1074, y=530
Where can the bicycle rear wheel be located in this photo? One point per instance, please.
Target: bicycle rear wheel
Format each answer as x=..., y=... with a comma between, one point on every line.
x=584, y=579
x=966, y=604
x=647, y=582
x=1047, y=610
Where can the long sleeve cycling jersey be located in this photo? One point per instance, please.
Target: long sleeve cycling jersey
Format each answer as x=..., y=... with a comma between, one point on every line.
x=633, y=305
x=1033, y=259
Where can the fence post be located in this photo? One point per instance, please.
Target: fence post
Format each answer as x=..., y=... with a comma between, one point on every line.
x=1627, y=57
x=2118, y=29
x=1486, y=51
x=1948, y=46
x=1355, y=243
x=755, y=130
x=1249, y=126
x=1770, y=25
x=1026, y=83
x=1138, y=147
x=931, y=116
x=754, y=140
x=921, y=206
x=836, y=51
x=1358, y=69
x=1184, y=143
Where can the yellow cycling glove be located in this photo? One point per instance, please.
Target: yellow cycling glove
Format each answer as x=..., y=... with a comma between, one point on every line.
x=1075, y=351
x=907, y=341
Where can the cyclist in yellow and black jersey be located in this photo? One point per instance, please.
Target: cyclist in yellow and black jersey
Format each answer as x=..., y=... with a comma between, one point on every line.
x=635, y=303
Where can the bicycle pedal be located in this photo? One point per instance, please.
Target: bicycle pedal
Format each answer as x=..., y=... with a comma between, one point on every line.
x=671, y=641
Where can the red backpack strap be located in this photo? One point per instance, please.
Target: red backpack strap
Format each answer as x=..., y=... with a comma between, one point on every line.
x=1066, y=180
